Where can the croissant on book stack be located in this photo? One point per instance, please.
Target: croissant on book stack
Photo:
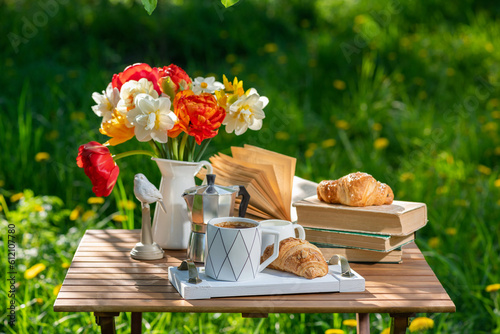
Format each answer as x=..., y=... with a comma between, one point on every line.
x=357, y=216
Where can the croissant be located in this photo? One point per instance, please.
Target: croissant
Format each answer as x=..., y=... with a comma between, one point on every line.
x=299, y=257
x=355, y=189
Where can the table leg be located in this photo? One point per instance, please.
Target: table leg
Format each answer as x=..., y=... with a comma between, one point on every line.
x=363, y=323
x=106, y=320
x=399, y=322
x=136, y=323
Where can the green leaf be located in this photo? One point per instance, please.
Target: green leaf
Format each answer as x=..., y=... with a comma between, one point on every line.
x=228, y=3
x=149, y=5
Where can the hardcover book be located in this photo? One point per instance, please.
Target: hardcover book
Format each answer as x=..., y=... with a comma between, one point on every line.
x=399, y=218
x=369, y=241
x=362, y=255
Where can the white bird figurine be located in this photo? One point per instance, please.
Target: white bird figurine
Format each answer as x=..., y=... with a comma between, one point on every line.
x=146, y=192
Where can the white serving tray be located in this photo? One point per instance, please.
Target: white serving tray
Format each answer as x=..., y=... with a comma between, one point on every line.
x=268, y=282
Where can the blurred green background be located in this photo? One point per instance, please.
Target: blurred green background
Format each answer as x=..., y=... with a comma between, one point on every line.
x=407, y=91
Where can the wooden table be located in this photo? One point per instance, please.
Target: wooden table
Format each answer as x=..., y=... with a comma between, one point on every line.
x=103, y=279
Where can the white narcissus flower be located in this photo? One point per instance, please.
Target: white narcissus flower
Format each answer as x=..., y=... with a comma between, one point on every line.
x=246, y=113
x=152, y=118
x=206, y=85
x=131, y=89
x=106, y=102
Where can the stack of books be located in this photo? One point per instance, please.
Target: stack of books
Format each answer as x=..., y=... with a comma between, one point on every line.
x=361, y=234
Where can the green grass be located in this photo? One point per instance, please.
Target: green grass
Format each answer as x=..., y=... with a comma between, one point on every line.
x=341, y=76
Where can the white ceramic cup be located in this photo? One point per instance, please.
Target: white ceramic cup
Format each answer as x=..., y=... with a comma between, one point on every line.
x=233, y=254
x=285, y=228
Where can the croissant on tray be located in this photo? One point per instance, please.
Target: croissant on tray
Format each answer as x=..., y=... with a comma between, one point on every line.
x=355, y=189
x=299, y=257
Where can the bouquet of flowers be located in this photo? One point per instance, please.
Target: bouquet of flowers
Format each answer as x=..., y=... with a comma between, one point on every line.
x=176, y=115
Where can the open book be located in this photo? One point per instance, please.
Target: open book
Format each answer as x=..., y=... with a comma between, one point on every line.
x=266, y=175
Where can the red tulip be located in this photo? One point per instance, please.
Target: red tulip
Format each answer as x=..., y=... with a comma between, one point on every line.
x=99, y=166
x=136, y=72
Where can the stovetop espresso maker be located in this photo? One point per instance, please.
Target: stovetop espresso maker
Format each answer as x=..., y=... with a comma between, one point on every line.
x=206, y=202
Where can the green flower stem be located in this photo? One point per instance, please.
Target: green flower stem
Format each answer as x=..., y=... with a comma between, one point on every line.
x=203, y=147
x=155, y=148
x=183, y=145
x=175, y=148
x=129, y=153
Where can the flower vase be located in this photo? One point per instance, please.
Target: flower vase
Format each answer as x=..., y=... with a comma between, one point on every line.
x=171, y=229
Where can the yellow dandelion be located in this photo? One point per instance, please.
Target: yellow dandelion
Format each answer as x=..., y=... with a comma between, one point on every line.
x=422, y=95
x=495, y=114
x=127, y=204
x=34, y=271
x=350, y=322
x=282, y=135
x=89, y=214
x=339, y=84
x=328, y=143
x=441, y=190
x=493, y=287
x=312, y=62
x=42, y=156
x=418, y=81
x=490, y=127
x=399, y=77
x=38, y=208
x=484, y=169
x=341, y=124
x=450, y=72
x=65, y=265
x=434, y=242
x=120, y=218
x=451, y=231
x=406, y=176
x=52, y=135
x=489, y=47
x=377, y=127
x=39, y=301
x=360, y=19
x=283, y=59
x=422, y=53
x=461, y=202
x=231, y=58
x=497, y=150
x=421, y=324
x=2, y=183
x=334, y=331
x=56, y=289
x=95, y=200
x=75, y=213
x=497, y=183
x=386, y=331
x=380, y=143
x=271, y=47
x=310, y=150
x=77, y=116
x=16, y=197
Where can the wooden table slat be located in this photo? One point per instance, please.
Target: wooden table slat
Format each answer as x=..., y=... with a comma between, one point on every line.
x=104, y=278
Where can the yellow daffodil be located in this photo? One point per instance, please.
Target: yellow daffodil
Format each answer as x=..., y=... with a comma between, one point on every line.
x=34, y=271
x=42, y=156
x=421, y=324
x=117, y=129
x=493, y=287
